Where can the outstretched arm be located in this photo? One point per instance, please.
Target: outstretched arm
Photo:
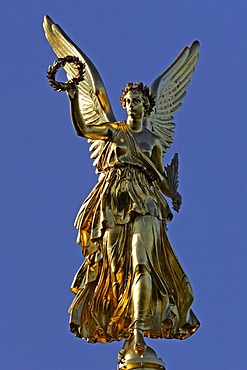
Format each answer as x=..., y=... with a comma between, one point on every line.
x=94, y=132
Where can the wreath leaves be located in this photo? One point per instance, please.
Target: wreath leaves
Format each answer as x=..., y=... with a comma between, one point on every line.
x=52, y=71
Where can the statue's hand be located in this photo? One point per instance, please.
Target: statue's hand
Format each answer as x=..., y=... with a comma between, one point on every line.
x=177, y=202
x=72, y=91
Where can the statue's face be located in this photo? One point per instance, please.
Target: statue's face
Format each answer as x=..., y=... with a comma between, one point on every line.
x=134, y=104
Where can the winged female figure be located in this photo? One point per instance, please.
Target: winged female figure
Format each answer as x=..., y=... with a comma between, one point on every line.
x=131, y=284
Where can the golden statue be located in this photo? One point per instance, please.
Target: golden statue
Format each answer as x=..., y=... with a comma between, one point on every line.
x=131, y=284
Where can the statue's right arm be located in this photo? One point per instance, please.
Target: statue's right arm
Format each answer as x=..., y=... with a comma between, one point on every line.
x=102, y=131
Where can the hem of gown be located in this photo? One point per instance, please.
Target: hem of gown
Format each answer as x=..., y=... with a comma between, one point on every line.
x=166, y=332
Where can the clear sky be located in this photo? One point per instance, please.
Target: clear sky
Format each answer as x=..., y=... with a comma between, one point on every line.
x=46, y=173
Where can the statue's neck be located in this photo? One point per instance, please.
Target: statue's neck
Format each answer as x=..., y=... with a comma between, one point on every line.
x=135, y=125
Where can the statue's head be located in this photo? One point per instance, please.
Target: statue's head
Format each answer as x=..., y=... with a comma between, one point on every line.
x=138, y=89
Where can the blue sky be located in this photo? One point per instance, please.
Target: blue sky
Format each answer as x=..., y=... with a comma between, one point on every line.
x=46, y=173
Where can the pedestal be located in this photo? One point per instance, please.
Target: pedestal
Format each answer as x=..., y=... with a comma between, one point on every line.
x=148, y=360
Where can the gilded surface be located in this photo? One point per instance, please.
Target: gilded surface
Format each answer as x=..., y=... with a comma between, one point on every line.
x=131, y=283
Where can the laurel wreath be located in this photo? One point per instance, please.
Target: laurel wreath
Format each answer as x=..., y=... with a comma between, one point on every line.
x=64, y=86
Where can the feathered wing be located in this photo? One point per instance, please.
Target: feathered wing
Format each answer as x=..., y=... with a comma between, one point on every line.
x=169, y=89
x=94, y=103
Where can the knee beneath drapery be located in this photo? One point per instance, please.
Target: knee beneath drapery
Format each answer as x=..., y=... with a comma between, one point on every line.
x=141, y=268
x=142, y=275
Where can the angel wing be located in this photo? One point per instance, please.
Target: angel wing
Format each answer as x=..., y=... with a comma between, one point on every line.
x=169, y=89
x=94, y=103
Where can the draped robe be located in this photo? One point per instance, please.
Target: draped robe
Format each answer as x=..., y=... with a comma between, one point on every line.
x=126, y=209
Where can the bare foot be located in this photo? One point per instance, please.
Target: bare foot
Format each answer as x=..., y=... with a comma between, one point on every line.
x=139, y=343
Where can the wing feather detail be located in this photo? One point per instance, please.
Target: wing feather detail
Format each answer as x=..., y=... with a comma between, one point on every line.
x=94, y=103
x=169, y=89
x=92, y=92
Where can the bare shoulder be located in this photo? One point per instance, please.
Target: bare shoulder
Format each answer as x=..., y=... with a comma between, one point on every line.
x=113, y=125
x=155, y=138
x=110, y=127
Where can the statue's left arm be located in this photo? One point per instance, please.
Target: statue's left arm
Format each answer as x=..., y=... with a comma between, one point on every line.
x=157, y=160
x=163, y=185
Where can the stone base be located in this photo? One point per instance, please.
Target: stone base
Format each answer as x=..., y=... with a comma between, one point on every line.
x=149, y=360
